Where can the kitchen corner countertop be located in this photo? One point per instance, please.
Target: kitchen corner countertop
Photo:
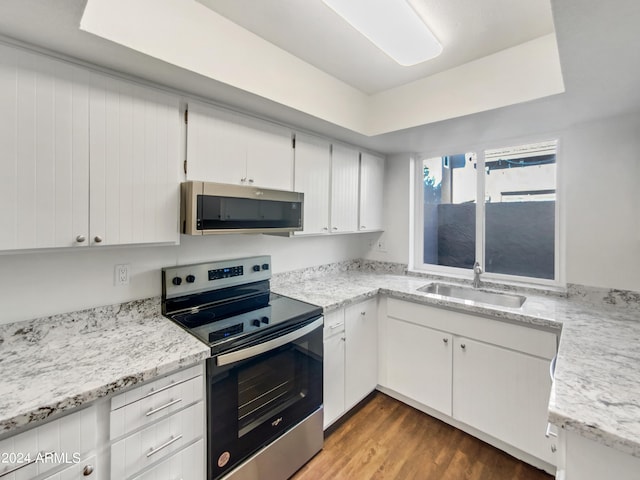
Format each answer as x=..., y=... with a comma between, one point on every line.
x=51, y=365
x=597, y=377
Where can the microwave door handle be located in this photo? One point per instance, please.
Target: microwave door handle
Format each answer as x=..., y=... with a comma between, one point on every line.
x=254, y=350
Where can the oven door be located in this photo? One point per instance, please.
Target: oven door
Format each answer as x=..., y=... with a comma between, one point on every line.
x=257, y=393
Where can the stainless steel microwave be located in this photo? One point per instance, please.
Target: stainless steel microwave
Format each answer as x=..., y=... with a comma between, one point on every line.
x=208, y=208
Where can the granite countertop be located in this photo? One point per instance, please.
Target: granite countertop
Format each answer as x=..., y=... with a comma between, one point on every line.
x=57, y=363
x=597, y=378
x=53, y=364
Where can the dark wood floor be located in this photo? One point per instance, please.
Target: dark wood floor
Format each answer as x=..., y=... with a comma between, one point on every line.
x=386, y=439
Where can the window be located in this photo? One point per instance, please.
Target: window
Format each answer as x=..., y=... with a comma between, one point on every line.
x=504, y=218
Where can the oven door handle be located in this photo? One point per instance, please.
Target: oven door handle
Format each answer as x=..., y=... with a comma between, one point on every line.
x=254, y=350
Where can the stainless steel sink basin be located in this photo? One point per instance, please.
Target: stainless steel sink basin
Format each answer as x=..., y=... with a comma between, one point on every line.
x=465, y=293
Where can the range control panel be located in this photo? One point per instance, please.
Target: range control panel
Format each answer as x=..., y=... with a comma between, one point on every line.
x=201, y=277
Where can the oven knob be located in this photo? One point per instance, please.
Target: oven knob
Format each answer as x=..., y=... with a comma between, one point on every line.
x=190, y=278
x=255, y=323
x=176, y=281
x=265, y=266
x=256, y=268
x=265, y=320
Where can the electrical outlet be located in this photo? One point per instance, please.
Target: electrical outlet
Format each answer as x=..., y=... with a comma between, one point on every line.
x=121, y=275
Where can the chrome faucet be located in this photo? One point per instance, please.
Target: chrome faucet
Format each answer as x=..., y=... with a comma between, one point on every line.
x=477, y=270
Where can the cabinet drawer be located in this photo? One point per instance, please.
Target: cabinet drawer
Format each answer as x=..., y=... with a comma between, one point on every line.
x=154, y=387
x=59, y=439
x=155, y=406
x=186, y=464
x=157, y=441
x=85, y=470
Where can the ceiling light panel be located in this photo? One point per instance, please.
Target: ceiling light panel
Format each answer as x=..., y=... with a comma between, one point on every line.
x=392, y=26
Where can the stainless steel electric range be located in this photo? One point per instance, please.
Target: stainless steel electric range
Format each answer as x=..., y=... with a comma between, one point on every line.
x=264, y=378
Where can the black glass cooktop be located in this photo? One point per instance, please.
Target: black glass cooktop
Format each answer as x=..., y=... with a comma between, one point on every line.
x=230, y=324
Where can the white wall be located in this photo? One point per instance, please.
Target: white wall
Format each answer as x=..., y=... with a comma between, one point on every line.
x=35, y=284
x=396, y=214
x=599, y=169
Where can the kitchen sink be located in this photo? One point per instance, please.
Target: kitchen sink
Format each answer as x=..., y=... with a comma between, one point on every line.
x=482, y=296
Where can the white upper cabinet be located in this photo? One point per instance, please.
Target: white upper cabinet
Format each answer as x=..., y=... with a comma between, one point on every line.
x=227, y=147
x=371, y=192
x=44, y=136
x=134, y=163
x=86, y=159
x=344, y=189
x=312, y=177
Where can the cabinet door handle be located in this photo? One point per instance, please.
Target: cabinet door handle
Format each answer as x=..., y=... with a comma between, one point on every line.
x=325, y=228
x=166, y=405
x=336, y=325
x=80, y=238
x=243, y=179
x=463, y=346
x=87, y=470
x=162, y=389
x=97, y=239
x=445, y=340
x=172, y=440
x=362, y=227
x=251, y=180
x=334, y=228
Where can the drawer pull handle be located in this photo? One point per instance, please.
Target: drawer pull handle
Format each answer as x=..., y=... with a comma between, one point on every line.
x=166, y=405
x=173, y=439
x=166, y=387
x=88, y=470
x=549, y=433
x=336, y=325
x=21, y=466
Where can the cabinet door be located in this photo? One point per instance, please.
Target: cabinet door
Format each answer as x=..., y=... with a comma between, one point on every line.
x=361, y=360
x=502, y=393
x=312, y=175
x=419, y=363
x=344, y=189
x=333, y=366
x=269, y=155
x=371, y=192
x=86, y=469
x=135, y=162
x=216, y=149
x=333, y=383
x=44, y=134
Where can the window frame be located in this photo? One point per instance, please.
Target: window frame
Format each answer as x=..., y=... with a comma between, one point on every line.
x=417, y=235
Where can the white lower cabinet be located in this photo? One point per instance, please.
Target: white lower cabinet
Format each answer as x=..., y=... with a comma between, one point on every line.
x=160, y=421
x=49, y=447
x=584, y=459
x=420, y=363
x=361, y=352
x=489, y=375
x=502, y=393
x=84, y=470
x=333, y=366
x=350, y=358
x=186, y=464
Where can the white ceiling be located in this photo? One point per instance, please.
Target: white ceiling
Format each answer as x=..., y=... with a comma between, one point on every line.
x=598, y=44
x=467, y=30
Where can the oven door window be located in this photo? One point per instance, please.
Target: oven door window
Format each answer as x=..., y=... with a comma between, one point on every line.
x=254, y=401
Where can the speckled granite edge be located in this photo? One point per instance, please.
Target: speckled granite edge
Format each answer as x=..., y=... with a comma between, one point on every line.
x=105, y=350
x=621, y=299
